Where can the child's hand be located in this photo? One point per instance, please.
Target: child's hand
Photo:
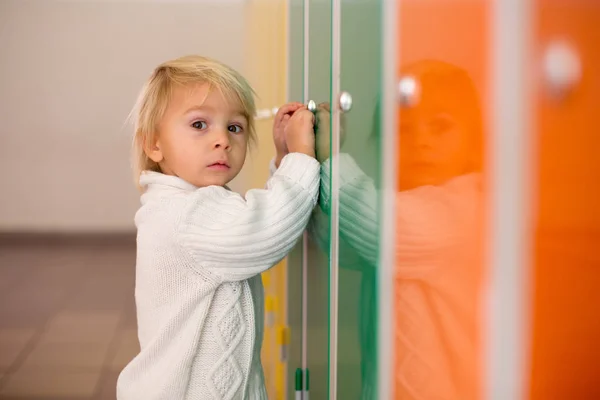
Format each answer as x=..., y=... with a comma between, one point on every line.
x=323, y=137
x=323, y=140
x=299, y=132
x=281, y=120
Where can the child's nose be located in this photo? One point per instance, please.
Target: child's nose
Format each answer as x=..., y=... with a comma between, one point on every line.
x=423, y=138
x=222, y=140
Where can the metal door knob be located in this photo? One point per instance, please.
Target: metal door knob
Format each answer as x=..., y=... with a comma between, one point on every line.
x=408, y=91
x=345, y=101
x=562, y=68
x=312, y=106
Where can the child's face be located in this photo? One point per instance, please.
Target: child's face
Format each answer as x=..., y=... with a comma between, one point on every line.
x=202, y=137
x=433, y=146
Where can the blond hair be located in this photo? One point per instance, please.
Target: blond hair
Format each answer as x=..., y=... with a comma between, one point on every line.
x=156, y=94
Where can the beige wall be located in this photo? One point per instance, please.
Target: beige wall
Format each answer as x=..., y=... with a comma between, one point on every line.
x=265, y=67
x=69, y=74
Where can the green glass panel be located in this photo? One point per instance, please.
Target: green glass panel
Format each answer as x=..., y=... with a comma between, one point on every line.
x=317, y=256
x=357, y=311
x=360, y=76
x=358, y=177
x=358, y=247
x=319, y=90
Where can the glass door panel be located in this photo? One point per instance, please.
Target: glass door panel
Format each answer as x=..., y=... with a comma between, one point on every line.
x=310, y=64
x=566, y=229
x=439, y=270
x=318, y=265
x=358, y=178
x=294, y=260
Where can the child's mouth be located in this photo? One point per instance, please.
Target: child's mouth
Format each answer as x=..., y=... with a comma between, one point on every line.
x=219, y=166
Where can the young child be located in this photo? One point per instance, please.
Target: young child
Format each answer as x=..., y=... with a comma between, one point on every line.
x=200, y=246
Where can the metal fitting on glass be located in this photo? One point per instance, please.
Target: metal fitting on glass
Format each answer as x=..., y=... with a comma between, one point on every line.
x=408, y=91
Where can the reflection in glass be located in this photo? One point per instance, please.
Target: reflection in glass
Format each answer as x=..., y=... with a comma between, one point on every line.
x=438, y=238
x=318, y=85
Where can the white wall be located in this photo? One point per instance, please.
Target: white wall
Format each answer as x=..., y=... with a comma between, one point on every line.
x=69, y=75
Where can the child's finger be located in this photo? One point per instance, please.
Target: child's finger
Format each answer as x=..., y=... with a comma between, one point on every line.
x=299, y=109
x=284, y=109
x=295, y=104
x=289, y=108
x=281, y=112
x=324, y=106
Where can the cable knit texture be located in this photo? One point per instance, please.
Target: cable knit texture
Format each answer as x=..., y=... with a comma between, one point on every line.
x=199, y=296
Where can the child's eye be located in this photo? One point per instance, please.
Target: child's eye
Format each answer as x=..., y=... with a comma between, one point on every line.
x=199, y=125
x=235, y=128
x=441, y=124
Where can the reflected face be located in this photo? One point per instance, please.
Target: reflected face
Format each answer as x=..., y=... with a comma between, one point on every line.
x=441, y=135
x=202, y=137
x=433, y=145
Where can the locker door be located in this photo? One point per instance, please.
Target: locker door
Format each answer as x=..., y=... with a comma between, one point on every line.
x=566, y=223
x=309, y=264
x=439, y=271
x=294, y=301
x=356, y=181
x=318, y=251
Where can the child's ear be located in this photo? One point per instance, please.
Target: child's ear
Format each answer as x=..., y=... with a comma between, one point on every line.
x=152, y=149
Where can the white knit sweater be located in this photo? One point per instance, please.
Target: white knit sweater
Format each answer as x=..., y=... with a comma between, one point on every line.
x=198, y=292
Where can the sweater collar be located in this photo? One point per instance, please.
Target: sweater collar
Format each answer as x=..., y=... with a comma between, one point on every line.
x=152, y=181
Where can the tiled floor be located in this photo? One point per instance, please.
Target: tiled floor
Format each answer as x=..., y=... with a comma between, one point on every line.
x=67, y=319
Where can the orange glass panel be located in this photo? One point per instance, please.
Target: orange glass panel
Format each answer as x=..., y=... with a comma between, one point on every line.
x=440, y=203
x=566, y=325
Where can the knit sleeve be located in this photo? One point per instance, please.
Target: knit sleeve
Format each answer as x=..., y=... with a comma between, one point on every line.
x=272, y=168
x=358, y=205
x=428, y=219
x=237, y=238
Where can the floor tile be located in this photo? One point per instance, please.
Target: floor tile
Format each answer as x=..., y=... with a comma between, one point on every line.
x=107, y=388
x=127, y=347
x=129, y=314
x=30, y=305
x=18, y=397
x=25, y=317
x=63, y=273
x=61, y=308
x=117, y=259
x=88, y=356
x=12, y=343
x=20, y=261
x=50, y=382
x=82, y=327
x=105, y=293
x=33, y=302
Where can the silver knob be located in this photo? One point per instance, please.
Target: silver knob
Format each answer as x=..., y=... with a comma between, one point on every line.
x=562, y=68
x=345, y=101
x=312, y=106
x=408, y=91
